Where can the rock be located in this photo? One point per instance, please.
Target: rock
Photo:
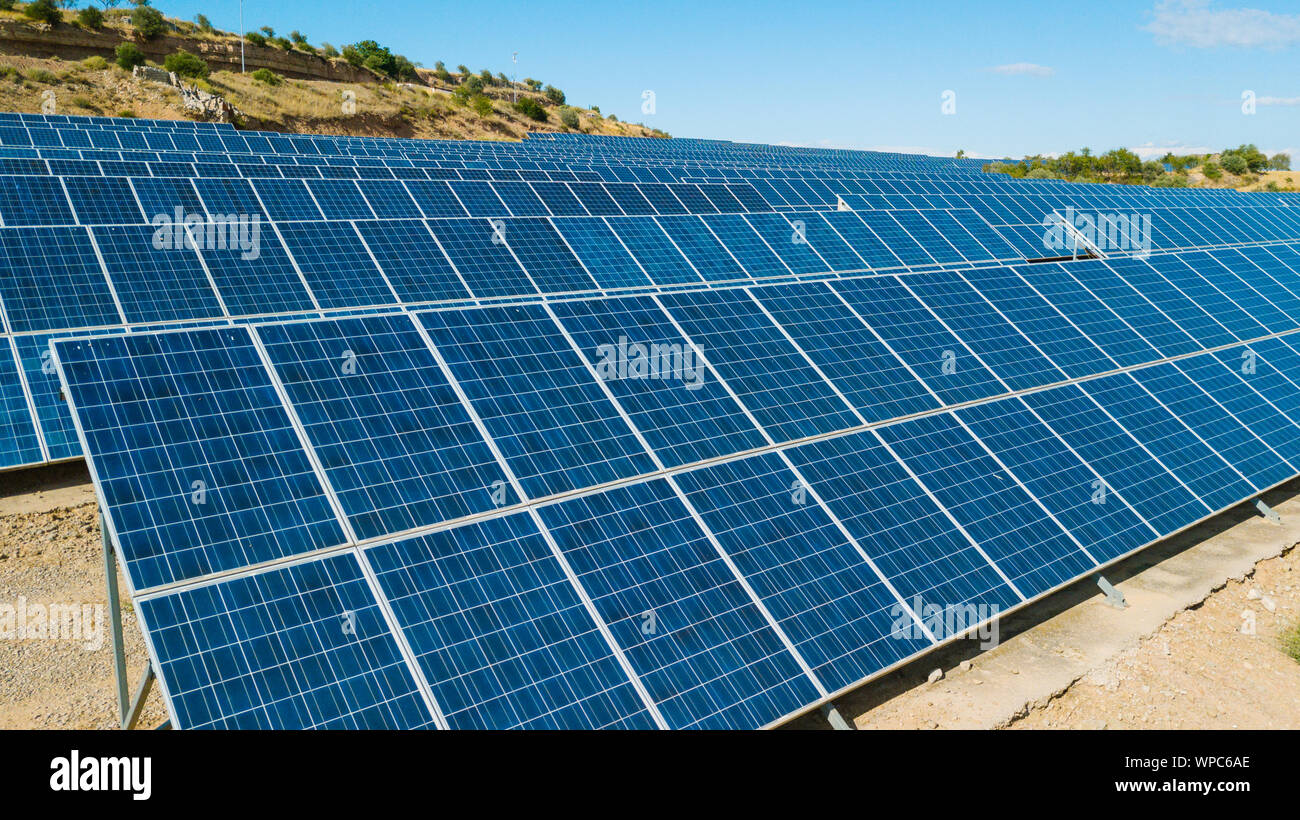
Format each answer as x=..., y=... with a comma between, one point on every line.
x=1255, y=594
x=936, y=675
x=1268, y=604
x=965, y=666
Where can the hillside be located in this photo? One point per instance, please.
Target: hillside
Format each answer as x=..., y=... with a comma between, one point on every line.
x=299, y=89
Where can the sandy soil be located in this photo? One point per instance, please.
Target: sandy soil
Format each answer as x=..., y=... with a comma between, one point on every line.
x=55, y=556
x=1203, y=670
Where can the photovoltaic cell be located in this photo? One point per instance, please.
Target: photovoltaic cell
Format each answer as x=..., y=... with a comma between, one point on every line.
x=199, y=467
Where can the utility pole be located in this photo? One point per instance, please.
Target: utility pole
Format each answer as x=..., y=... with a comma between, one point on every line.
x=514, y=77
x=241, y=36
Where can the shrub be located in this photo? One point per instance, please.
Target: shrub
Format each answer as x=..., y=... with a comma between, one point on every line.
x=148, y=22
x=1212, y=170
x=569, y=118
x=82, y=101
x=43, y=11
x=472, y=84
x=95, y=63
x=90, y=17
x=255, y=38
x=531, y=108
x=40, y=75
x=328, y=50
x=297, y=37
x=1280, y=162
x=268, y=31
x=282, y=43
x=462, y=70
x=7, y=5
x=555, y=95
x=126, y=112
x=266, y=75
x=186, y=64
x=129, y=55
x=1235, y=164
x=204, y=24
x=482, y=105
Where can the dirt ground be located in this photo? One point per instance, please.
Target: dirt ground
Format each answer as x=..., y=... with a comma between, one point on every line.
x=1203, y=668
x=51, y=553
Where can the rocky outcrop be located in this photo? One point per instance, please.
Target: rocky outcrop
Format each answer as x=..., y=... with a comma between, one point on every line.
x=68, y=42
x=202, y=104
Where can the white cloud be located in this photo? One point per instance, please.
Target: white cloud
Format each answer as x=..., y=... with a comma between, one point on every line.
x=1023, y=69
x=1153, y=150
x=1194, y=23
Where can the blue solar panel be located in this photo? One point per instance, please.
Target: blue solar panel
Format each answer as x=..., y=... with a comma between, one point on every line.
x=601, y=252
x=838, y=614
x=254, y=274
x=412, y=261
x=544, y=410
x=837, y=341
x=704, y=651
x=702, y=248
x=34, y=201
x=336, y=265
x=545, y=256
x=479, y=252
x=53, y=280
x=1032, y=551
x=198, y=464
x=396, y=444
x=1177, y=447
x=502, y=637
x=652, y=248
x=773, y=381
x=156, y=274
x=102, y=200
x=304, y=647
x=667, y=391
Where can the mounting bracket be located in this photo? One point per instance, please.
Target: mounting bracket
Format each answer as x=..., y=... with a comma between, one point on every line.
x=1113, y=596
x=1267, y=511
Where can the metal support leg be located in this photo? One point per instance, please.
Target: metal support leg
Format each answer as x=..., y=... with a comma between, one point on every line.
x=835, y=719
x=115, y=623
x=1267, y=511
x=141, y=694
x=1113, y=596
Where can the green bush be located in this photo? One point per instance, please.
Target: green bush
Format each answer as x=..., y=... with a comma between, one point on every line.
x=482, y=105
x=266, y=75
x=282, y=43
x=129, y=55
x=7, y=5
x=1235, y=164
x=531, y=108
x=1212, y=170
x=40, y=75
x=127, y=113
x=569, y=118
x=95, y=63
x=186, y=64
x=473, y=84
x=90, y=17
x=297, y=37
x=555, y=95
x=328, y=50
x=204, y=24
x=44, y=11
x=255, y=38
x=148, y=22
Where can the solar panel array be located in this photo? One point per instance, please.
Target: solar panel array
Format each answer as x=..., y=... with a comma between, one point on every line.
x=706, y=460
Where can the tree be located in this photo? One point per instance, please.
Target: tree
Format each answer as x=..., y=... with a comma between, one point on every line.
x=43, y=11
x=148, y=22
x=569, y=118
x=256, y=38
x=486, y=77
x=379, y=59
x=531, y=108
x=204, y=24
x=462, y=70
x=473, y=84
x=267, y=31
x=186, y=64
x=1235, y=164
x=555, y=95
x=129, y=55
x=90, y=17
x=1212, y=170
x=328, y=50
x=1280, y=162
x=482, y=105
x=297, y=37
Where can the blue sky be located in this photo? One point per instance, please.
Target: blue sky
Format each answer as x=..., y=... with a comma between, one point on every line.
x=1028, y=77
